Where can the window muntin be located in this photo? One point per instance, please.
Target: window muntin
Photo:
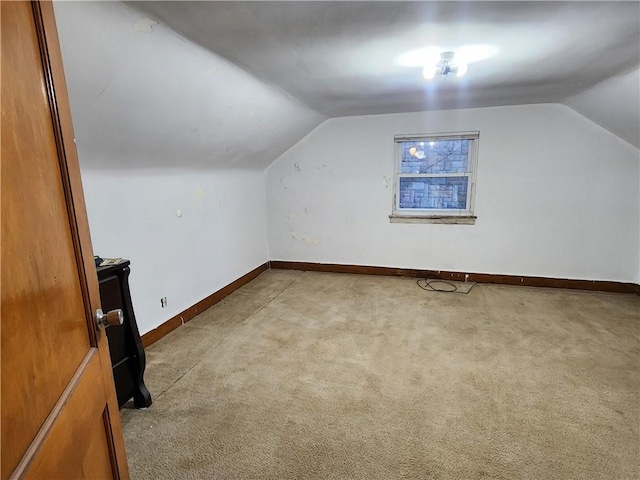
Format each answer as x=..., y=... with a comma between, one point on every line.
x=434, y=193
x=435, y=174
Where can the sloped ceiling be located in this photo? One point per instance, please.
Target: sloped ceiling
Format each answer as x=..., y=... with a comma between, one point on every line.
x=613, y=104
x=235, y=84
x=342, y=58
x=142, y=96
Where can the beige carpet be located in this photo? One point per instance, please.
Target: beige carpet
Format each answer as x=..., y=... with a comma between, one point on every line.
x=323, y=376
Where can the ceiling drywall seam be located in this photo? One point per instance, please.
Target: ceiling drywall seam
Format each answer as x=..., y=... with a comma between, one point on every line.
x=144, y=97
x=614, y=104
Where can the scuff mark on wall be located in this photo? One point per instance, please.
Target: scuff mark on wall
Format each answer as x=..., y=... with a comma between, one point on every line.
x=306, y=238
x=144, y=25
x=293, y=193
x=386, y=181
x=325, y=166
x=103, y=90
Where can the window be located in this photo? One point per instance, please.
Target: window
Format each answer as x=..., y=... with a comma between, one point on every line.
x=435, y=178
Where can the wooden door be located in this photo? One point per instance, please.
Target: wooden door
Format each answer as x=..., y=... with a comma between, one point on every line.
x=60, y=417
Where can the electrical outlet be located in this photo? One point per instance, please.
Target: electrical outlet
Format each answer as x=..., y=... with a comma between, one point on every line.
x=163, y=302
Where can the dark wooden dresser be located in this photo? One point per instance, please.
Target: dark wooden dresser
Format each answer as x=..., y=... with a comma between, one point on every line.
x=127, y=353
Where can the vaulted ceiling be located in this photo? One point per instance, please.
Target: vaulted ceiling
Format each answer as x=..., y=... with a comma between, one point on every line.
x=144, y=98
x=235, y=84
x=345, y=57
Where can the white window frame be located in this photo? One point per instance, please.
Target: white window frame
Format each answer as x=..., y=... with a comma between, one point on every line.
x=432, y=215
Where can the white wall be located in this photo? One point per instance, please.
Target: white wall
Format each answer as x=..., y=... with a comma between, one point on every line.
x=219, y=237
x=161, y=124
x=613, y=104
x=557, y=196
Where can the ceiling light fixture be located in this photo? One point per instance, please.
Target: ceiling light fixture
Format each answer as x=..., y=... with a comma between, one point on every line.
x=445, y=66
x=431, y=55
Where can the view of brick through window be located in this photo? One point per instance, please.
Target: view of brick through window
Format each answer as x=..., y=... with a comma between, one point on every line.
x=439, y=157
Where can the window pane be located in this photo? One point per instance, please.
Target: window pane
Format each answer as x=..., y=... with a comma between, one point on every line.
x=440, y=193
x=438, y=156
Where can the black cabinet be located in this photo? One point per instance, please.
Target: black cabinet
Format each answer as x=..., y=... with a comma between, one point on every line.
x=127, y=353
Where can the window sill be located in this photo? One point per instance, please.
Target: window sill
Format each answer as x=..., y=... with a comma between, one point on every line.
x=442, y=219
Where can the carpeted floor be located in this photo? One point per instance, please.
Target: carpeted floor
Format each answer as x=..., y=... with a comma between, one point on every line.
x=324, y=376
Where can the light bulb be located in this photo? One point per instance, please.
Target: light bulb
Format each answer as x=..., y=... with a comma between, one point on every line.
x=462, y=69
x=429, y=71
